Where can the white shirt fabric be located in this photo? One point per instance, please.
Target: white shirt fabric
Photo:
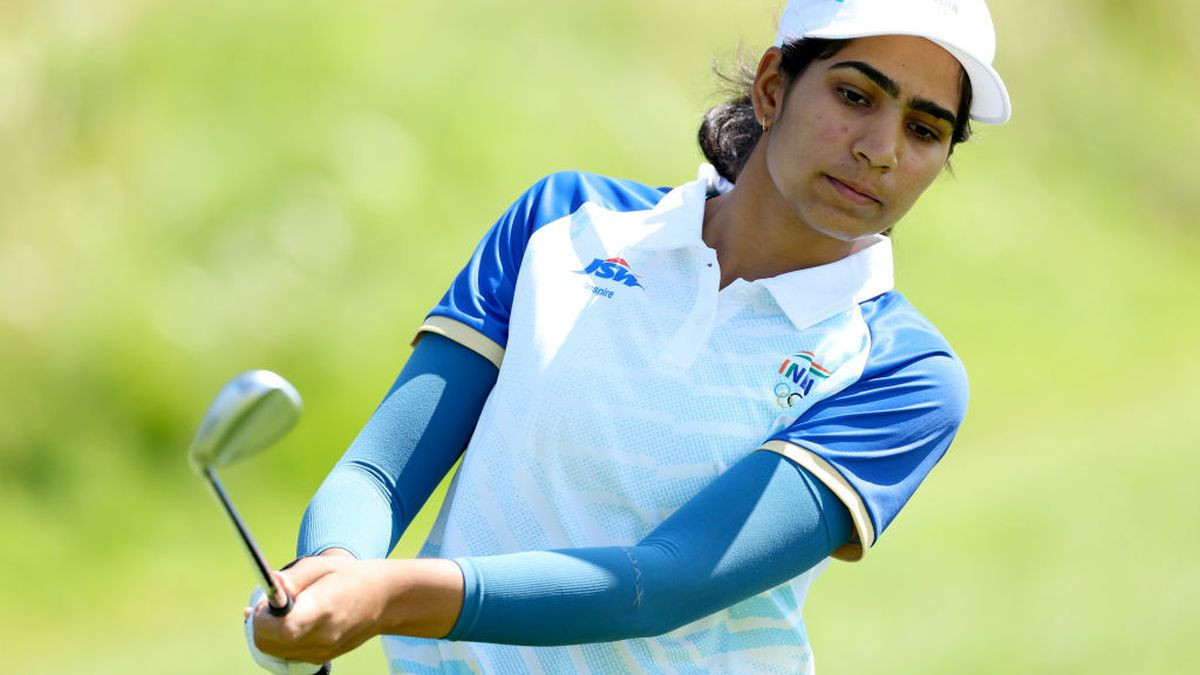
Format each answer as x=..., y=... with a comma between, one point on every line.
x=628, y=381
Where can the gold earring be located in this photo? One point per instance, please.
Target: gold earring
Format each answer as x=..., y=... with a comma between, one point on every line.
x=765, y=127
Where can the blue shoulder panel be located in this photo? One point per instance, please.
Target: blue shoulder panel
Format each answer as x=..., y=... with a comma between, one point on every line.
x=885, y=432
x=481, y=295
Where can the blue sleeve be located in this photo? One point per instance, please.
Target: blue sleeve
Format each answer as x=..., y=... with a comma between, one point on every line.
x=406, y=447
x=762, y=522
x=481, y=296
x=883, y=434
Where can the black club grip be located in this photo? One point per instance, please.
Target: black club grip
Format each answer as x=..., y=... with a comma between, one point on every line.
x=280, y=611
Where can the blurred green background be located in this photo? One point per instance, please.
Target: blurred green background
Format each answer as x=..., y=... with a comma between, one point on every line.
x=191, y=189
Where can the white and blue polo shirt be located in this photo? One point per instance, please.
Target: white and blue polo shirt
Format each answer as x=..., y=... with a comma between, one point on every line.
x=629, y=380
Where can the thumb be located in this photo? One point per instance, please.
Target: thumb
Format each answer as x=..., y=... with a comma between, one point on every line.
x=303, y=574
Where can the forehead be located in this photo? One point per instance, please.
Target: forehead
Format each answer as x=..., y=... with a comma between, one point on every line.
x=921, y=68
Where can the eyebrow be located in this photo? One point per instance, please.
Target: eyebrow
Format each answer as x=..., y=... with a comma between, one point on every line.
x=889, y=86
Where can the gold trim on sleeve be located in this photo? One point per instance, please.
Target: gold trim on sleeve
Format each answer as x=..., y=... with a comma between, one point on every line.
x=463, y=335
x=864, y=535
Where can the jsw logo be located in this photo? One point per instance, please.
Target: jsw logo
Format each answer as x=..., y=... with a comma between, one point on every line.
x=613, y=268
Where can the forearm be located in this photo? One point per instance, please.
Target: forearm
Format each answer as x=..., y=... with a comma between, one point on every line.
x=763, y=522
x=406, y=447
x=424, y=597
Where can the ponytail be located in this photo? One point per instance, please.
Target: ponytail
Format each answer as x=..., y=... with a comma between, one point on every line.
x=728, y=135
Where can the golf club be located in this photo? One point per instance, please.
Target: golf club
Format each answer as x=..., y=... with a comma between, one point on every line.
x=251, y=412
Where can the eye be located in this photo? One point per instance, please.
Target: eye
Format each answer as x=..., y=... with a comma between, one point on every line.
x=852, y=96
x=924, y=132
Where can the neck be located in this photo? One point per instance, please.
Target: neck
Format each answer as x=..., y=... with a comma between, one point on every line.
x=756, y=234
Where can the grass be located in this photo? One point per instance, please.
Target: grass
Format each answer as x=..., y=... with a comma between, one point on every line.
x=194, y=189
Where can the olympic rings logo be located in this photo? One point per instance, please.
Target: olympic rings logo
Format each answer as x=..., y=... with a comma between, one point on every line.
x=785, y=397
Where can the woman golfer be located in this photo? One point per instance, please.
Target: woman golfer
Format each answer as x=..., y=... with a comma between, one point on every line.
x=676, y=405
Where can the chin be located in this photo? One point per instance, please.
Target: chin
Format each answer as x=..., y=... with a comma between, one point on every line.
x=840, y=225
x=851, y=232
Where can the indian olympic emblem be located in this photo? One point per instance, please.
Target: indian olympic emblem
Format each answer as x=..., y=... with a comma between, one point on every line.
x=798, y=374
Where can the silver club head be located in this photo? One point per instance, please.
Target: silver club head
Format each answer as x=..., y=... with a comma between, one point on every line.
x=251, y=412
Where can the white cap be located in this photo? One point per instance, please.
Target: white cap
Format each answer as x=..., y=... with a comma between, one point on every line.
x=962, y=27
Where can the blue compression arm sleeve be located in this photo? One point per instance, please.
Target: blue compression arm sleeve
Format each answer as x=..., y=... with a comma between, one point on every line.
x=411, y=441
x=757, y=525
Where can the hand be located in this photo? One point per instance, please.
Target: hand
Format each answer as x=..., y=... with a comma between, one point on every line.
x=268, y=662
x=338, y=605
x=341, y=602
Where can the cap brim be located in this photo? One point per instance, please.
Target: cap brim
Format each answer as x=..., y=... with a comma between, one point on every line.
x=989, y=97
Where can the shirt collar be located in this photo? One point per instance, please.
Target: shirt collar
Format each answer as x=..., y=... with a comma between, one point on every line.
x=678, y=218
x=807, y=296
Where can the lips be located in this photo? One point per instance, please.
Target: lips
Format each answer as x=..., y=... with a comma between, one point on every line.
x=853, y=191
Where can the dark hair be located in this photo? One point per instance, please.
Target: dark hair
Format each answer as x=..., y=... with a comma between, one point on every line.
x=730, y=130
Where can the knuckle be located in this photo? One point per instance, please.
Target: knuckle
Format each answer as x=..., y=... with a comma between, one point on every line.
x=290, y=632
x=264, y=638
x=326, y=639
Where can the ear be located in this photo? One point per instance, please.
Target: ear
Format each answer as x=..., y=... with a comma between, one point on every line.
x=769, y=87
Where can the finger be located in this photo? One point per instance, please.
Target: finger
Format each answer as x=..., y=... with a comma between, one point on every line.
x=304, y=573
x=284, y=637
x=270, y=633
x=256, y=603
x=283, y=589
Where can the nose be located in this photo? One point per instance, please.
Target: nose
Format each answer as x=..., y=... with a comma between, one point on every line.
x=879, y=145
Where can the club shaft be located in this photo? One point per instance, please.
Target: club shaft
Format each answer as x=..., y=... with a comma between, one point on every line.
x=260, y=563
